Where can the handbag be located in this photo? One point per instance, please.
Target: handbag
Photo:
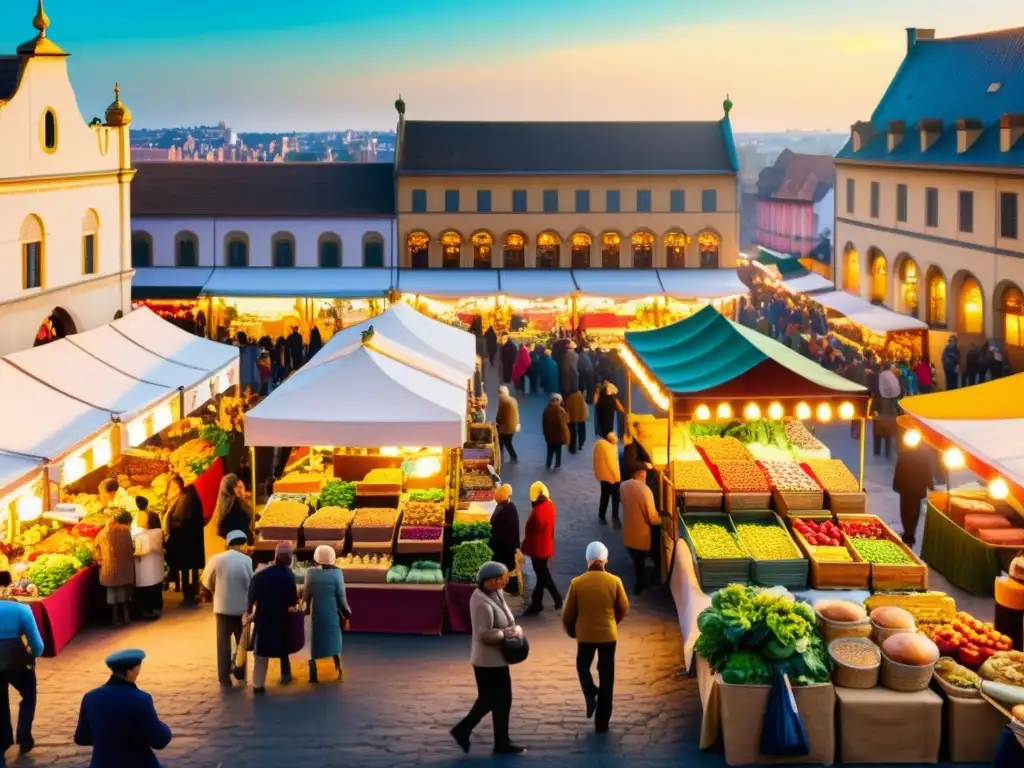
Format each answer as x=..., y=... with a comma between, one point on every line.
x=514, y=649
x=242, y=652
x=295, y=631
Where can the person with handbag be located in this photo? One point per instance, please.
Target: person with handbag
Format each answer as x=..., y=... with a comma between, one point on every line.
x=594, y=607
x=497, y=643
x=324, y=595
x=274, y=596
x=228, y=576
x=20, y=645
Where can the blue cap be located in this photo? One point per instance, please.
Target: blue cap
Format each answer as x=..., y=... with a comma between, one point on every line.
x=122, y=661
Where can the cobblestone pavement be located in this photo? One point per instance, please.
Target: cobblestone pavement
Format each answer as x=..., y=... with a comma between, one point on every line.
x=403, y=693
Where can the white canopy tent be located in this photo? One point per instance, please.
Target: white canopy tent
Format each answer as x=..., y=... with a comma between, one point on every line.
x=16, y=471
x=364, y=399
x=123, y=354
x=395, y=351
x=701, y=283
x=810, y=283
x=877, y=319
x=995, y=443
x=152, y=332
x=618, y=283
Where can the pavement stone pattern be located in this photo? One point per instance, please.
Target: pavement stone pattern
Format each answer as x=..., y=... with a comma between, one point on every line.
x=403, y=693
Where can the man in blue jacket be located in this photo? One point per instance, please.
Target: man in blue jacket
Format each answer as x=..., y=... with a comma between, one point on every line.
x=119, y=721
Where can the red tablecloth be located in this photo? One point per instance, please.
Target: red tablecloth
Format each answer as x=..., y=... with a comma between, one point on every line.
x=207, y=485
x=395, y=609
x=66, y=611
x=457, y=602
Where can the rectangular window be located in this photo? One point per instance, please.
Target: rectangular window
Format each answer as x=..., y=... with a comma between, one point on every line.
x=582, y=201
x=876, y=199
x=451, y=201
x=643, y=201
x=89, y=255
x=709, y=201
x=901, y=203
x=851, y=194
x=518, y=201
x=32, y=255
x=677, y=201
x=419, y=201
x=965, y=219
x=612, y=201
x=1008, y=215
x=550, y=201
x=483, y=201
x=931, y=207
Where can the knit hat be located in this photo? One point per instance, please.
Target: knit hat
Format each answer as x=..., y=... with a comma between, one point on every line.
x=537, y=490
x=324, y=555
x=490, y=570
x=597, y=551
x=283, y=548
x=503, y=493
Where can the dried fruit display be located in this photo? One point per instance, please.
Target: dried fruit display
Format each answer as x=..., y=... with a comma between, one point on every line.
x=766, y=541
x=375, y=517
x=713, y=541
x=834, y=475
x=330, y=517
x=284, y=514
x=742, y=477
x=422, y=513
x=693, y=476
x=789, y=476
x=800, y=438
x=722, y=449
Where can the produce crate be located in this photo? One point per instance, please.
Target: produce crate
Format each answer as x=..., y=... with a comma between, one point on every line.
x=275, y=533
x=791, y=573
x=366, y=535
x=715, y=574
x=365, y=575
x=797, y=501
x=324, y=534
x=419, y=546
x=702, y=501
x=847, y=503
x=747, y=501
x=892, y=578
x=831, y=575
x=389, y=500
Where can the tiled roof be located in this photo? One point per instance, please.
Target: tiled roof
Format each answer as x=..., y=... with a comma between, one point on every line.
x=974, y=76
x=10, y=71
x=797, y=177
x=263, y=190
x=566, y=148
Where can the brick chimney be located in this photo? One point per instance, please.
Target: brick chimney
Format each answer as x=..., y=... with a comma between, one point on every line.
x=1011, y=129
x=930, y=129
x=896, y=132
x=915, y=35
x=861, y=133
x=968, y=129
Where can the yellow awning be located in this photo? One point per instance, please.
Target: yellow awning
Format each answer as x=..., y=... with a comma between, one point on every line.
x=993, y=400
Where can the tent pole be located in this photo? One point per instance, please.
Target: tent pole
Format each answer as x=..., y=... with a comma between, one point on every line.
x=863, y=442
x=629, y=395
x=252, y=474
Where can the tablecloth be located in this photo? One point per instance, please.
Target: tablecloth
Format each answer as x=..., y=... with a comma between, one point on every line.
x=456, y=598
x=207, y=485
x=973, y=728
x=61, y=615
x=395, y=609
x=886, y=727
x=966, y=562
x=689, y=599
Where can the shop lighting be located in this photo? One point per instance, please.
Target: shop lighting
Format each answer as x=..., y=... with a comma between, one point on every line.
x=73, y=469
x=998, y=489
x=953, y=458
x=724, y=411
x=101, y=453
x=776, y=411
x=702, y=413
x=660, y=398
x=136, y=432
x=911, y=438
x=162, y=417
x=803, y=411
x=847, y=411
x=752, y=412
x=389, y=450
x=428, y=466
x=824, y=412
x=30, y=507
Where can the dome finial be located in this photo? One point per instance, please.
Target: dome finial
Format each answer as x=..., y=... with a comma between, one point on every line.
x=41, y=21
x=400, y=105
x=118, y=114
x=727, y=105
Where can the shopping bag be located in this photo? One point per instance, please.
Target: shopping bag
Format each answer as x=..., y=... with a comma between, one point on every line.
x=295, y=631
x=242, y=649
x=783, y=733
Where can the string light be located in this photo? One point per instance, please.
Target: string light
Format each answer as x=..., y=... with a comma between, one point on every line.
x=775, y=411
x=702, y=413
x=911, y=438
x=998, y=489
x=847, y=411
x=657, y=395
x=953, y=458
x=752, y=412
x=824, y=412
x=803, y=411
x=724, y=411
x=30, y=507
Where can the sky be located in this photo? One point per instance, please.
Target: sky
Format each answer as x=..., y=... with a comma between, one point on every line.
x=316, y=65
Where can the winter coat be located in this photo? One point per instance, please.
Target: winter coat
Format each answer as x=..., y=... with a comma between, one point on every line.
x=324, y=592
x=555, y=422
x=585, y=366
x=491, y=342
x=951, y=357
x=238, y=518
x=272, y=591
x=639, y=513
x=606, y=462
x=549, y=374
x=539, y=541
x=184, y=543
x=508, y=360
x=576, y=407
x=522, y=364
x=505, y=534
x=115, y=554
x=507, y=419
x=249, y=366
x=914, y=473
x=606, y=407
x=570, y=372
x=294, y=343
x=121, y=725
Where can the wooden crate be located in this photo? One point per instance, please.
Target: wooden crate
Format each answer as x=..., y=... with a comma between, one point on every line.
x=791, y=573
x=788, y=501
x=847, y=503
x=715, y=574
x=735, y=502
x=892, y=578
x=825, y=574
x=702, y=501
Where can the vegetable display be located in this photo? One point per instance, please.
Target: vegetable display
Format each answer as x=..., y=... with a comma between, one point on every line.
x=713, y=541
x=766, y=541
x=467, y=559
x=338, y=493
x=869, y=530
x=955, y=674
x=742, y=477
x=435, y=495
x=422, y=513
x=463, y=531
x=753, y=631
x=881, y=552
x=834, y=475
x=967, y=632
x=425, y=572
x=51, y=572
x=693, y=476
x=789, y=476
x=801, y=439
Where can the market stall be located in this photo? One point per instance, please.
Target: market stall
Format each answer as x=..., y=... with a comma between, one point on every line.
x=897, y=336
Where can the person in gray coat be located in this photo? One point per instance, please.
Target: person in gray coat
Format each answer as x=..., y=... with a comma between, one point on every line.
x=570, y=371
x=324, y=596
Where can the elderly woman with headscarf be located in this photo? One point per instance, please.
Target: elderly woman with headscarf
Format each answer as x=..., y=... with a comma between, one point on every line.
x=539, y=546
x=273, y=595
x=233, y=512
x=505, y=531
x=324, y=596
x=492, y=624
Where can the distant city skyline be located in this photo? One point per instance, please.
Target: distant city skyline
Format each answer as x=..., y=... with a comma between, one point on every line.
x=320, y=65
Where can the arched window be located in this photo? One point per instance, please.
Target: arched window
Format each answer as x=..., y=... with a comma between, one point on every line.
x=236, y=249
x=328, y=248
x=936, y=298
x=417, y=247
x=49, y=131
x=90, y=242
x=675, y=250
x=514, y=255
x=549, y=249
x=879, y=267
x=972, y=307
x=910, y=278
x=186, y=249
x=33, y=252
x=709, y=244
x=451, y=250
x=483, y=247
x=142, y=249
x=851, y=270
x=611, y=245
x=1012, y=307
x=373, y=249
x=283, y=249
x=580, y=256
x=643, y=250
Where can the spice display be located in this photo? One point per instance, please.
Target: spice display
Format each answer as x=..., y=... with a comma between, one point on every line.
x=375, y=517
x=722, y=449
x=956, y=674
x=801, y=439
x=855, y=654
x=693, y=476
x=766, y=541
x=284, y=514
x=713, y=541
x=420, y=532
x=338, y=493
x=435, y=495
x=834, y=475
x=330, y=517
x=881, y=552
x=422, y=513
x=789, y=476
x=383, y=477
x=467, y=559
x=742, y=477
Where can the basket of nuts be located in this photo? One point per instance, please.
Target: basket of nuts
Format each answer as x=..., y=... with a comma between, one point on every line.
x=857, y=662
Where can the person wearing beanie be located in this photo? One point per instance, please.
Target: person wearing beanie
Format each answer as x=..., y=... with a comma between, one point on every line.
x=607, y=474
x=594, y=607
x=539, y=546
x=228, y=576
x=273, y=594
x=505, y=532
x=507, y=423
x=555, y=425
x=492, y=623
x=323, y=594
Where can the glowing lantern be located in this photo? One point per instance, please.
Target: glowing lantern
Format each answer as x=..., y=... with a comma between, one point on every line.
x=703, y=413
x=752, y=412
x=775, y=411
x=998, y=489
x=912, y=438
x=724, y=411
x=803, y=411
x=847, y=411
x=824, y=412
x=953, y=458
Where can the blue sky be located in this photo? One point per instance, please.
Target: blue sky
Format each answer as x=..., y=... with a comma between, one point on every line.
x=323, y=64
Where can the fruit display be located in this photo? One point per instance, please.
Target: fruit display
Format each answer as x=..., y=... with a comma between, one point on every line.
x=722, y=449
x=789, y=477
x=766, y=541
x=283, y=514
x=693, y=476
x=881, y=552
x=422, y=513
x=1003, y=667
x=338, y=493
x=30, y=537
x=420, y=532
x=143, y=463
x=375, y=517
x=20, y=588
x=870, y=529
x=435, y=495
x=742, y=477
x=713, y=541
x=365, y=569
x=802, y=440
x=833, y=475
x=90, y=502
x=978, y=640
x=824, y=540
x=852, y=653
x=467, y=559
x=926, y=607
x=955, y=674
x=337, y=518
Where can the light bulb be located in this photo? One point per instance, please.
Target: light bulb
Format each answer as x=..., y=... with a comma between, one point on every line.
x=998, y=489
x=803, y=411
x=752, y=412
x=953, y=458
x=847, y=411
x=724, y=411
x=702, y=413
x=911, y=438
x=824, y=412
x=30, y=507
x=775, y=411
x=101, y=452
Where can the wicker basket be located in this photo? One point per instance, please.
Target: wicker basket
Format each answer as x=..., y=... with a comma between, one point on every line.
x=836, y=630
x=901, y=677
x=955, y=691
x=881, y=634
x=846, y=676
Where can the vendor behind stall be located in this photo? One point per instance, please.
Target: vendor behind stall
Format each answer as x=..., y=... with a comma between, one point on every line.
x=111, y=495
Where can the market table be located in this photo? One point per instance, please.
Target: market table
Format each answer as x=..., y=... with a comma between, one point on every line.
x=61, y=615
x=973, y=727
x=966, y=562
x=457, y=605
x=414, y=609
x=887, y=727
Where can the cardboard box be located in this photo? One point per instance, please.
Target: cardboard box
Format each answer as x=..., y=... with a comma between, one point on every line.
x=887, y=727
x=974, y=727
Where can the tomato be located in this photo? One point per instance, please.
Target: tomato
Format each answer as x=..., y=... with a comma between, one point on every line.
x=970, y=656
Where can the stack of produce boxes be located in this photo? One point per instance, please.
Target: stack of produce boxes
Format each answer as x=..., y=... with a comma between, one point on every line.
x=776, y=559
x=281, y=520
x=422, y=529
x=841, y=487
x=745, y=485
x=793, y=489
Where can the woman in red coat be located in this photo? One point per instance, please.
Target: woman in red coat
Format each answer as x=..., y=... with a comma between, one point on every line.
x=539, y=546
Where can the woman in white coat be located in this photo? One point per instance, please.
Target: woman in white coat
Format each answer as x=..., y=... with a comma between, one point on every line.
x=148, y=597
